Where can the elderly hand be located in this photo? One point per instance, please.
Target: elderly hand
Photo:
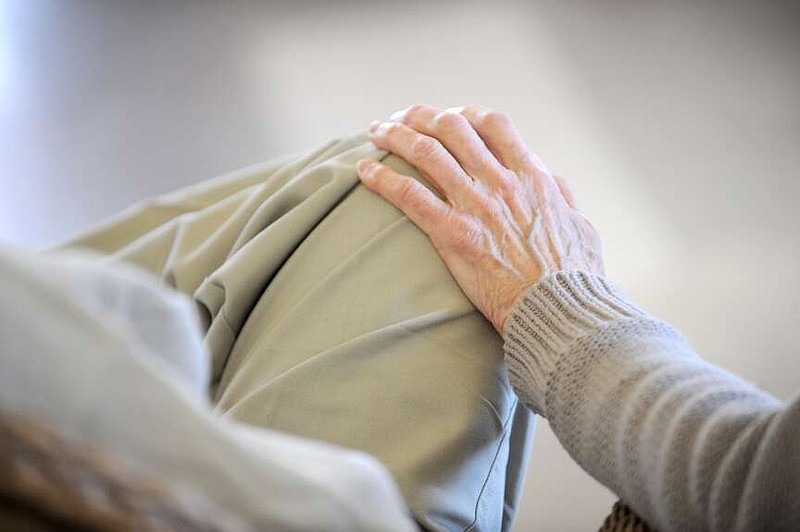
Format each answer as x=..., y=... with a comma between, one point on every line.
x=505, y=221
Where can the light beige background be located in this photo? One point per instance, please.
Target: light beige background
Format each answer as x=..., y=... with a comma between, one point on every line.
x=677, y=122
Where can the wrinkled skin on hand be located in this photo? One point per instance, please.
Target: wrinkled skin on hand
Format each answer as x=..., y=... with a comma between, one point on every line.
x=504, y=222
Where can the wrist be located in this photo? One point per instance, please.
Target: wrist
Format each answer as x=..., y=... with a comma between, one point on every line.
x=549, y=318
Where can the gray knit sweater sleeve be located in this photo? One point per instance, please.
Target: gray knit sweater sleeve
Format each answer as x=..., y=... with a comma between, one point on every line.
x=686, y=444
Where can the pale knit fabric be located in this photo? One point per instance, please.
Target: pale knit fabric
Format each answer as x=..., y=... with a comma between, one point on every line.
x=684, y=443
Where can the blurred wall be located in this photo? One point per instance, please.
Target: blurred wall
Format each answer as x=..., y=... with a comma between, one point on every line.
x=677, y=122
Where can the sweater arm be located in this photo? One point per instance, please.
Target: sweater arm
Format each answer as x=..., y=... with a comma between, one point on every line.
x=686, y=444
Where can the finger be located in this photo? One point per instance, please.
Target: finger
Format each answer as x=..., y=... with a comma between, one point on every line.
x=455, y=132
x=501, y=136
x=406, y=193
x=566, y=191
x=427, y=155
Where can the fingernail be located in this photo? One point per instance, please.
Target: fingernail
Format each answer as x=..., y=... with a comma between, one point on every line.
x=456, y=110
x=365, y=167
x=373, y=126
x=398, y=115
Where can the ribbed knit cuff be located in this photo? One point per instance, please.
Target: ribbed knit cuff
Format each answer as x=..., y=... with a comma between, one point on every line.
x=548, y=319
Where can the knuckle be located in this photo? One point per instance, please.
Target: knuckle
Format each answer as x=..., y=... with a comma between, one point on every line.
x=485, y=208
x=529, y=160
x=496, y=119
x=450, y=122
x=507, y=184
x=467, y=239
x=414, y=110
x=391, y=128
x=407, y=192
x=424, y=148
x=473, y=108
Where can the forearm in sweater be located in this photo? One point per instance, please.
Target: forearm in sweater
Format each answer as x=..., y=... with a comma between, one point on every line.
x=686, y=444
